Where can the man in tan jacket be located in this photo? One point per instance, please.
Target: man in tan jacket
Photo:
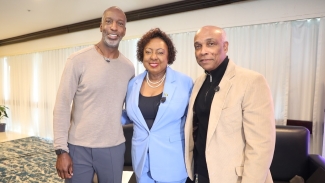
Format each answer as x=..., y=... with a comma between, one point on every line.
x=230, y=127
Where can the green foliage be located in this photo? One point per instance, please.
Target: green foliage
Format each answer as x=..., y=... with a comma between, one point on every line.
x=3, y=113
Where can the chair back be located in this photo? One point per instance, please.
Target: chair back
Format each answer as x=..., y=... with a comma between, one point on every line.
x=128, y=133
x=291, y=153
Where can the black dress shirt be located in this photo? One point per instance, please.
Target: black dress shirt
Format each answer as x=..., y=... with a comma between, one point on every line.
x=201, y=109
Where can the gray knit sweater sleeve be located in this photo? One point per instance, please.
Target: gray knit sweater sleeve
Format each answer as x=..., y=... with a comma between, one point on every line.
x=89, y=100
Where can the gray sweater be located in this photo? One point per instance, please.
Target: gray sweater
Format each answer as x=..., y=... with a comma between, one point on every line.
x=97, y=89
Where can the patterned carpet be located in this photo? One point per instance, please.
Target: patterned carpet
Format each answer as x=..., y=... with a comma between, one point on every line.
x=28, y=160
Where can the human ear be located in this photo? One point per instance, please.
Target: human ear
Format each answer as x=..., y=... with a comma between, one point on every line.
x=225, y=46
x=101, y=27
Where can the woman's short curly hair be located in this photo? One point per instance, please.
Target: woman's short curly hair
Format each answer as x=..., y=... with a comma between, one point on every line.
x=156, y=33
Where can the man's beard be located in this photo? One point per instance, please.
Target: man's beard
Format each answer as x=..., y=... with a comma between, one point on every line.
x=111, y=43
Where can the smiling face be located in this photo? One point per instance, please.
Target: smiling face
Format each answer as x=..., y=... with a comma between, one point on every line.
x=155, y=56
x=113, y=27
x=210, y=47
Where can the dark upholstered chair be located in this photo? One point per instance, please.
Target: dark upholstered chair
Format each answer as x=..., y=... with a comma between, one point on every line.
x=291, y=156
x=128, y=132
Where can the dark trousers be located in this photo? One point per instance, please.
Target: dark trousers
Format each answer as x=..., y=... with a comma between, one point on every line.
x=200, y=180
x=106, y=162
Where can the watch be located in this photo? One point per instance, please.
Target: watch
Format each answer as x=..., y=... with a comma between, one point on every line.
x=60, y=151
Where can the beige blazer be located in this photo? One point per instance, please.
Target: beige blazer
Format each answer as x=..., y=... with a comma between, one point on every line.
x=241, y=132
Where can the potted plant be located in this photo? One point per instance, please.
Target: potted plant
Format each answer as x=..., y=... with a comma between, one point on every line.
x=3, y=114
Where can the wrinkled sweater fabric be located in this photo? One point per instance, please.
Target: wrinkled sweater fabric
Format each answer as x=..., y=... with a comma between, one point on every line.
x=96, y=89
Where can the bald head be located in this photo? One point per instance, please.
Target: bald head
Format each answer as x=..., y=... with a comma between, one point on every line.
x=211, y=47
x=213, y=30
x=114, y=9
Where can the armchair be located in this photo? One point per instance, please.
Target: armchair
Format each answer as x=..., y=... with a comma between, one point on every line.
x=291, y=156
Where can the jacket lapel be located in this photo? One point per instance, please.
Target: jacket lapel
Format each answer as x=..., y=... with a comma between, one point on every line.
x=196, y=88
x=219, y=100
x=169, y=93
x=135, y=100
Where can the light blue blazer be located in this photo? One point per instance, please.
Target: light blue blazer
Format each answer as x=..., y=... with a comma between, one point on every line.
x=165, y=140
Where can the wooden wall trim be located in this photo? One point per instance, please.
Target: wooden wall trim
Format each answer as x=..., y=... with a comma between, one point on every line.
x=156, y=11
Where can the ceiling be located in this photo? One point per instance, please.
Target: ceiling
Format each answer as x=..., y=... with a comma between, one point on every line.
x=20, y=17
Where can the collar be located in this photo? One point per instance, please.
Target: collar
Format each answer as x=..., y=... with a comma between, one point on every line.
x=219, y=71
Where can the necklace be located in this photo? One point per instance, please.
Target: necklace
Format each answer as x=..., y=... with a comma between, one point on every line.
x=106, y=59
x=158, y=82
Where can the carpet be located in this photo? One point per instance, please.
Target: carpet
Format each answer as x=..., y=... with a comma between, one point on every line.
x=30, y=159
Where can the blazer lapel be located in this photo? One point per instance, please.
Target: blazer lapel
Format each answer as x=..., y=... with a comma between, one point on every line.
x=135, y=100
x=196, y=88
x=169, y=91
x=189, y=121
x=219, y=100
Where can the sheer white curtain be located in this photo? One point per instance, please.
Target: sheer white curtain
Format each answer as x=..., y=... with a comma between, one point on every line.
x=266, y=49
x=129, y=49
x=289, y=54
x=319, y=98
x=306, y=73
x=185, y=58
x=29, y=88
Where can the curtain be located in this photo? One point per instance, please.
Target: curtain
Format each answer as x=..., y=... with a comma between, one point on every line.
x=306, y=73
x=266, y=49
x=29, y=85
x=319, y=98
x=289, y=54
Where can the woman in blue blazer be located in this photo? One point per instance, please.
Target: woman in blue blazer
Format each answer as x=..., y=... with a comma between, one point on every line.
x=156, y=104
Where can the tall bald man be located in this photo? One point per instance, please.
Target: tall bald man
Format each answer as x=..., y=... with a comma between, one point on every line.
x=230, y=127
x=90, y=138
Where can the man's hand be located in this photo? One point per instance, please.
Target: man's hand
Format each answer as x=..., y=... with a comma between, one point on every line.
x=64, y=166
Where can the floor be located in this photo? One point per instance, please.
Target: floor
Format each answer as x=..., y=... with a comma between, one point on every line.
x=7, y=136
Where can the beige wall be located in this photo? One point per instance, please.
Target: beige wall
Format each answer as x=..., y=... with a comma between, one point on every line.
x=237, y=14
